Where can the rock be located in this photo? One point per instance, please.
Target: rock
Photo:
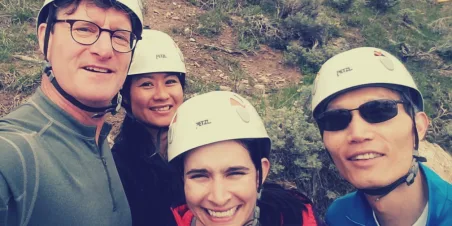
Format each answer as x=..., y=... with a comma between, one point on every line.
x=225, y=88
x=242, y=86
x=259, y=88
x=175, y=18
x=187, y=31
x=221, y=75
x=168, y=15
x=245, y=82
x=197, y=65
x=192, y=40
x=155, y=11
x=437, y=159
x=263, y=79
x=174, y=3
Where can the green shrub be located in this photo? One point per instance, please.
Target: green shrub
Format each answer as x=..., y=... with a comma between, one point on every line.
x=341, y=5
x=297, y=153
x=304, y=27
x=211, y=22
x=382, y=5
x=444, y=48
x=309, y=60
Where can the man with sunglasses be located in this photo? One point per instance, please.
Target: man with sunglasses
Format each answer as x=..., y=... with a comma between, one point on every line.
x=56, y=166
x=370, y=115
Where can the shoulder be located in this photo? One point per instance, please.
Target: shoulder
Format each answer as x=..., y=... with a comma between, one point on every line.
x=440, y=193
x=15, y=143
x=437, y=186
x=337, y=209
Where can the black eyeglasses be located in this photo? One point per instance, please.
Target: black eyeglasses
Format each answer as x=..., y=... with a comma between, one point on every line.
x=375, y=111
x=87, y=33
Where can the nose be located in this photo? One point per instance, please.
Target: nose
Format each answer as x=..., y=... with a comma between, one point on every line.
x=160, y=92
x=219, y=194
x=103, y=47
x=359, y=130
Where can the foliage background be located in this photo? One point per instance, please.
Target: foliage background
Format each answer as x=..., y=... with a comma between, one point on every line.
x=309, y=32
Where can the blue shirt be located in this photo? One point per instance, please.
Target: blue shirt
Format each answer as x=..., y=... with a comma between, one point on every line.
x=353, y=208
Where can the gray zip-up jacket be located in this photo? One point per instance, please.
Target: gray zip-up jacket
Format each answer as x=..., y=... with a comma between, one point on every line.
x=52, y=172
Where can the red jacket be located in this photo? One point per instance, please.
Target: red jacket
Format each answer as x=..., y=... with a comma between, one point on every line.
x=184, y=216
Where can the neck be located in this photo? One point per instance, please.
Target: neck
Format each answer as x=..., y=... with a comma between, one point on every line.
x=80, y=115
x=402, y=206
x=163, y=140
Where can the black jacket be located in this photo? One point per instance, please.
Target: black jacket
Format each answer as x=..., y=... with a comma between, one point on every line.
x=149, y=183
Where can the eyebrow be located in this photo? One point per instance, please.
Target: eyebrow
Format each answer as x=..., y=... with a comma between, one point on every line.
x=228, y=170
x=196, y=171
x=237, y=168
x=152, y=77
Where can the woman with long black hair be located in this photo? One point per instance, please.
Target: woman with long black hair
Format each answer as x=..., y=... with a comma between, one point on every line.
x=151, y=93
x=220, y=148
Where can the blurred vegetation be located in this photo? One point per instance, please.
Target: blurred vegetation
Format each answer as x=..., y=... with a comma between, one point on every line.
x=309, y=32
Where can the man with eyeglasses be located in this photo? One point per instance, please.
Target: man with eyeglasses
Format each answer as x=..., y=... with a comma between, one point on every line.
x=56, y=166
x=370, y=115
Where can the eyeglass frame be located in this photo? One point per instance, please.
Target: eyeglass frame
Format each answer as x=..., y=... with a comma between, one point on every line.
x=320, y=120
x=111, y=32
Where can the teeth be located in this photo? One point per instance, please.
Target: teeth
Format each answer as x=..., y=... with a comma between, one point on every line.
x=222, y=214
x=97, y=69
x=166, y=108
x=366, y=156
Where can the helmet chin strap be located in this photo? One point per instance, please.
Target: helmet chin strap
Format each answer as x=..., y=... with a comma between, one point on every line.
x=99, y=111
x=407, y=178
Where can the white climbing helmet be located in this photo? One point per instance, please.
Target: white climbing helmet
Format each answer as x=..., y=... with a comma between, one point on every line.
x=133, y=5
x=360, y=67
x=157, y=52
x=213, y=117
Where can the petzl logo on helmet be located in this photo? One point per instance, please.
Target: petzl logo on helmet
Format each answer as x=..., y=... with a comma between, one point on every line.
x=160, y=56
x=342, y=71
x=202, y=123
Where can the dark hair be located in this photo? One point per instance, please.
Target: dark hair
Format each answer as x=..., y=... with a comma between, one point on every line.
x=125, y=91
x=103, y=4
x=276, y=204
x=149, y=182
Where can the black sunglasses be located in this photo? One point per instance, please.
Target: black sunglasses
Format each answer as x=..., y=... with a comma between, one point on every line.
x=373, y=112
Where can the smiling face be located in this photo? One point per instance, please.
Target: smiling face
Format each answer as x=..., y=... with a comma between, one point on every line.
x=371, y=155
x=155, y=97
x=220, y=183
x=93, y=74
